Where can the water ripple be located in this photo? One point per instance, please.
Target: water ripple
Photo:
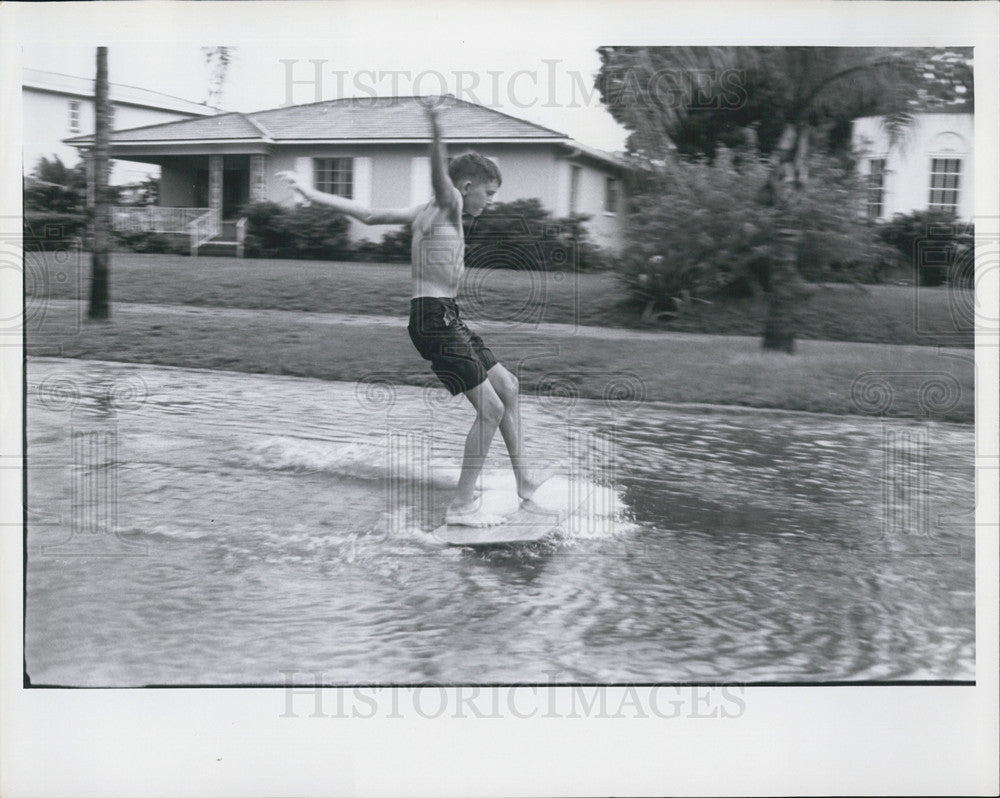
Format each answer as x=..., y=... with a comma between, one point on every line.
x=285, y=525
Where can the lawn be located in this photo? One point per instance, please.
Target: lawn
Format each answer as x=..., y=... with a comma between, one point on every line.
x=875, y=314
x=857, y=344
x=823, y=376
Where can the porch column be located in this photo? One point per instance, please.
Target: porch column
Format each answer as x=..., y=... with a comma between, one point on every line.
x=215, y=183
x=258, y=178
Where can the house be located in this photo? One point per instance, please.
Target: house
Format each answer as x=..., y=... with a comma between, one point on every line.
x=930, y=167
x=373, y=150
x=57, y=106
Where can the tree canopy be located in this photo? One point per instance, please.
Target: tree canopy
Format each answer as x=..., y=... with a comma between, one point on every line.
x=784, y=102
x=694, y=99
x=53, y=186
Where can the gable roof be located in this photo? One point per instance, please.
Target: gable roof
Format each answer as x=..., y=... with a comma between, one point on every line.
x=352, y=119
x=230, y=126
x=395, y=118
x=367, y=120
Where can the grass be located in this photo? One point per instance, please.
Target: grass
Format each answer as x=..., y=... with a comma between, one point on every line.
x=824, y=376
x=334, y=287
x=190, y=316
x=875, y=314
x=913, y=315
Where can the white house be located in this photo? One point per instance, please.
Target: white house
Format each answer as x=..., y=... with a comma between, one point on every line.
x=374, y=150
x=57, y=106
x=930, y=167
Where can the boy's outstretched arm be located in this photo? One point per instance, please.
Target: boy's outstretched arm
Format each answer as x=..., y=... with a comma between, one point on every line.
x=349, y=207
x=445, y=193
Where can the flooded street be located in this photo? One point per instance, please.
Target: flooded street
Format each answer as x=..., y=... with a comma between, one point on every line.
x=195, y=527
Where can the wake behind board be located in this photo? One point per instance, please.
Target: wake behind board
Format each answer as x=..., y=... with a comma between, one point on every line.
x=522, y=526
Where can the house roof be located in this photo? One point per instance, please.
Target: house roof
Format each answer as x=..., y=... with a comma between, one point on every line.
x=352, y=119
x=395, y=118
x=121, y=94
x=230, y=126
x=367, y=120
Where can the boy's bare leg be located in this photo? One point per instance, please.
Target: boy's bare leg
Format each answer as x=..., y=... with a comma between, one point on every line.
x=507, y=388
x=464, y=508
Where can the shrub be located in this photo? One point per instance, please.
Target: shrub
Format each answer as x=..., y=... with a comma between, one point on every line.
x=701, y=230
x=523, y=235
x=317, y=232
x=54, y=187
x=314, y=232
x=153, y=243
x=697, y=231
x=934, y=245
x=266, y=235
x=837, y=243
x=513, y=235
x=393, y=248
x=45, y=228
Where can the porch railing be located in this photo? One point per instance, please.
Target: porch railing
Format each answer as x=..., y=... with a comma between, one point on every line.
x=204, y=228
x=199, y=224
x=241, y=235
x=153, y=218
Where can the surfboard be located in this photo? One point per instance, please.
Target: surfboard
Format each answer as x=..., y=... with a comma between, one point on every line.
x=521, y=526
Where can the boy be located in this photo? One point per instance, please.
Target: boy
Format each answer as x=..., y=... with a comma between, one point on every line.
x=458, y=357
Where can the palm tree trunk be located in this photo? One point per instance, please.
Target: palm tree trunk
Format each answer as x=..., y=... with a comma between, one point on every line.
x=783, y=294
x=784, y=281
x=100, y=258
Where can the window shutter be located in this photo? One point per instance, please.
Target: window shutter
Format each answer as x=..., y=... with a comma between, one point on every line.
x=304, y=169
x=363, y=180
x=574, y=188
x=421, y=189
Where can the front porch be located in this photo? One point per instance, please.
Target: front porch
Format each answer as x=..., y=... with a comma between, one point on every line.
x=206, y=231
x=200, y=197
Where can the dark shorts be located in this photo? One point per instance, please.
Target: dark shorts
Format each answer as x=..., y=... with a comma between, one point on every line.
x=458, y=356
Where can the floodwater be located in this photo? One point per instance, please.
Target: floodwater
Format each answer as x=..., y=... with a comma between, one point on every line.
x=195, y=527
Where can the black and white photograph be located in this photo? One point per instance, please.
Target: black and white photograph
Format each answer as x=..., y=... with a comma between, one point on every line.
x=503, y=376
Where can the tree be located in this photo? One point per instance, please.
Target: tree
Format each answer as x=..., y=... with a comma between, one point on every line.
x=793, y=98
x=758, y=98
x=101, y=257
x=53, y=186
x=142, y=192
x=218, y=60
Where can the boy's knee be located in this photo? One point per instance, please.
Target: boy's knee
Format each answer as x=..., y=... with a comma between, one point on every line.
x=508, y=387
x=492, y=410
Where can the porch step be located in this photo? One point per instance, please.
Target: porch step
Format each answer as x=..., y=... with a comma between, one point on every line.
x=218, y=247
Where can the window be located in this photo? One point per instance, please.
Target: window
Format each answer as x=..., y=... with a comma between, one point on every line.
x=611, y=195
x=876, y=188
x=334, y=176
x=945, y=173
x=574, y=188
x=74, y=116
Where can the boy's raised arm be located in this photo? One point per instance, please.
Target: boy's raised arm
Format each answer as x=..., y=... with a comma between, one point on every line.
x=349, y=207
x=445, y=195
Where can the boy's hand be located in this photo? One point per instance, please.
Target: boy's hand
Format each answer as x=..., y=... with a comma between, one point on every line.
x=432, y=116
x=433, y=108
x=293, y=182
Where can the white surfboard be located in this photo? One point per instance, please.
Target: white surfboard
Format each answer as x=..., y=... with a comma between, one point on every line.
x=521, y=526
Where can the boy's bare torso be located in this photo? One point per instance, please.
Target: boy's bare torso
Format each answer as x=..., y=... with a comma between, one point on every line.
x=438, y=254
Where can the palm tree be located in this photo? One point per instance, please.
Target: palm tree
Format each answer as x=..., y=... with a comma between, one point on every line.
x=799, y=92
x=218, y=60
x=100, y=258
